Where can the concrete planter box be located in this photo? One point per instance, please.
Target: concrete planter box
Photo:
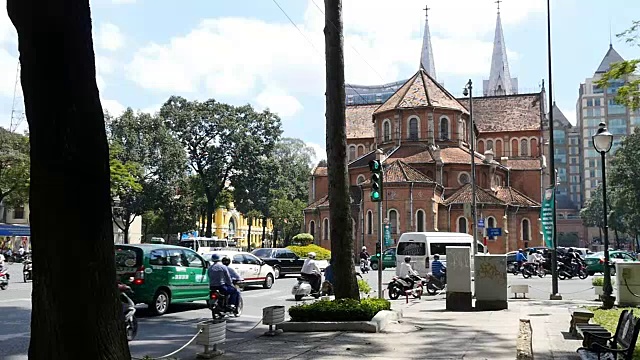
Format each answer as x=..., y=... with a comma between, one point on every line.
x=377, y=324
x=598, y=290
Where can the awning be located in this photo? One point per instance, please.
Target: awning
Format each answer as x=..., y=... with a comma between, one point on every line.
x=14, y=230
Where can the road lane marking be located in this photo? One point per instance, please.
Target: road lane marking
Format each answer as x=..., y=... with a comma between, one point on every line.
x=13, y=300
x=13, y=336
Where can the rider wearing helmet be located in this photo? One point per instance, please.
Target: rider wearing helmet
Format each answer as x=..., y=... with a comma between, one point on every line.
x=311, y=272
x=405, y=270
x=437, y=268
x=220, y=280
x=235, y=277
x=364, y=255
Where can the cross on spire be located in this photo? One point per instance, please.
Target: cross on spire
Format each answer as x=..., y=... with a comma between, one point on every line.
x=498, y=2
x=426, y=10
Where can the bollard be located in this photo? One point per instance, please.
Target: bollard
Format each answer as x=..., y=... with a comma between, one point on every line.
x=272, y=315
x=213, y=333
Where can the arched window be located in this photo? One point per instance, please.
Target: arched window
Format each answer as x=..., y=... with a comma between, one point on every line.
x=360, y=179
x=526, y=230
x=480, y=148
x=369, y=222
x=352, y=153
x=514, y=148
x=534, y=147
x=444, y=128
x=325, y=229
x=464, y=131
x=393, y=221
x=420, y=221
x=445, y=179
x=232, y=227
x=491, y=223
x=312, y=228
x=498, y=151
x=462, y=224
x=463, y=178
x=360, y=150
x=524, y=147
x=489, y=145
x=386, y=129
x=413, y=129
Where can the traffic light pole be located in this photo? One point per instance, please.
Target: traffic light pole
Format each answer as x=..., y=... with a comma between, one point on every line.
x=380, y=239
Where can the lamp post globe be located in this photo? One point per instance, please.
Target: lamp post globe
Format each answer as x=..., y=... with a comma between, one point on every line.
x=603, y=139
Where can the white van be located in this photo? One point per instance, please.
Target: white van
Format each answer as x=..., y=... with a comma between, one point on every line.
x=421, y=246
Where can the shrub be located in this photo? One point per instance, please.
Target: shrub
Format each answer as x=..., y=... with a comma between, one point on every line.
x=302, y=251
x=339, y=310
x=599, y=281
x=302, y=239
x=364, y=286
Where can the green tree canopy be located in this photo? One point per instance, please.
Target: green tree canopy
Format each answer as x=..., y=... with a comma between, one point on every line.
x=14, y=168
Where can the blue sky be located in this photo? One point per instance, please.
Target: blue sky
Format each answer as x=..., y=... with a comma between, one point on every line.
x=248, y=52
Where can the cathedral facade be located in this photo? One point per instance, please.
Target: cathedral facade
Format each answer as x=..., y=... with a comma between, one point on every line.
x=422, y=134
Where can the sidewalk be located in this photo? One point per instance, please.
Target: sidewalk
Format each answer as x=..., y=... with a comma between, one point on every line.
x=428, y=331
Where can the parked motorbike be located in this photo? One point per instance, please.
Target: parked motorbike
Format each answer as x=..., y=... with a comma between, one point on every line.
x=364, y=266
x=4, y=279
x=129, y=310
x=399, y=286
x=27, y=273
x=529, y=269
x=564, y=272
x=303, y=288
x=434, y=284
x=219, y=303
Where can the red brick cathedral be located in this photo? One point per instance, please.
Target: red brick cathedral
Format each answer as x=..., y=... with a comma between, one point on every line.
x=423, y=132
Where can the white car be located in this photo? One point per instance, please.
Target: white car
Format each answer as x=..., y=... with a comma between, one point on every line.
x=253, y=270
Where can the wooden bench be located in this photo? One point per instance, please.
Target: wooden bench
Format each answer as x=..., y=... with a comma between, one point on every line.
x=621, y=344
x=578, y=316
x=594, y=333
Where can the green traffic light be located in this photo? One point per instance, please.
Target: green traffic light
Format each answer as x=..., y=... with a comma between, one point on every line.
x=375, y=195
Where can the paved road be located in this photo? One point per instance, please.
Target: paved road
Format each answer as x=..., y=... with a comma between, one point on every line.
x=161, y=335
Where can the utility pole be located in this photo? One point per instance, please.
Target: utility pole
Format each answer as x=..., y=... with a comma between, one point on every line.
x=341, y=226
x=377, y=189
x=468, y=90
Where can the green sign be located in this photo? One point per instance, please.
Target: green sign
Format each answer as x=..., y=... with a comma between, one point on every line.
x=387, y=235
x=546, y=214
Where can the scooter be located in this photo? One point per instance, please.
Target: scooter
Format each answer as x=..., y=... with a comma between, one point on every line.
x=399, y=286
x=129, y=309
x=303, y=288
x=4, y=279
x=219, y=303
x=27, y=273
x=364, y=266
x=434, y=284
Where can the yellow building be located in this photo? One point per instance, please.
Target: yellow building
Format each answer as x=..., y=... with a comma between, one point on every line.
x=227, y=221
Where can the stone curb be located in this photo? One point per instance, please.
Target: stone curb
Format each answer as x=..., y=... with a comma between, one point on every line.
x=377, y=324
x=524, y=341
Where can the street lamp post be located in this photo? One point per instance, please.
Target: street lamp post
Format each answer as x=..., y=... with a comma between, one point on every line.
x=602, y=141
x=468, y=91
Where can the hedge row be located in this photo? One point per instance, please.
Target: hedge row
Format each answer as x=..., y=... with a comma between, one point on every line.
x=302, y=251
x=339, y=310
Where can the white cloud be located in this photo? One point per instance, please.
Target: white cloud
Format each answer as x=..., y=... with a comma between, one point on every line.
x=113, y=107
x=278, y=102
x=321, y=152
x=110, y=37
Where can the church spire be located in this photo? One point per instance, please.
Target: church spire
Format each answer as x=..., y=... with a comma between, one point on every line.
x=500, y=81
x=426, y=58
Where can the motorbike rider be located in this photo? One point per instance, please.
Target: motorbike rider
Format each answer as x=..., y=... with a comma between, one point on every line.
x=2, y=266
x=520, y=258
x=364, y=255
x=405, y=271
x=235, y=277
x=21, y=251
x=437, y=268
x=535, y=258
x=328, y=277
x=220, y=280
x=311, y=272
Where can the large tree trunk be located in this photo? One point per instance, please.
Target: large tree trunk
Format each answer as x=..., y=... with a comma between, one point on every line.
x=210, y=209
x=617, y=237
x=67, y=135
x=339, y=200
x=249, y=235
x=264, y=230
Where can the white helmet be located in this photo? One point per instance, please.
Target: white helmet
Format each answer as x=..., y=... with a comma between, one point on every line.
x=311, y=255
x=364, y=248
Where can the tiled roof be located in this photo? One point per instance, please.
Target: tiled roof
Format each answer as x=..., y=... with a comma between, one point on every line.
x=323, y=201
x=360, y=121
x=412, y=154
x=524, y=164
x=320, y=171
x=456, y=155
x=506, y=113
x=399, y=172
x=354, y=195
x=421, y=90
x=463, y=196
x=512, y=196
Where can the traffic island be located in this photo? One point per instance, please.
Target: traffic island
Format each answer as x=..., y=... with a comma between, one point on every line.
x=367, y=315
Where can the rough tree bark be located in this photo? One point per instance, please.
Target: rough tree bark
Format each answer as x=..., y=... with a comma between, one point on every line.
x=69, y=171
x=339, y=199
x=249, y=235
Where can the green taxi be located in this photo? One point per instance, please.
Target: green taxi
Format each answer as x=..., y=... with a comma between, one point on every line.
x=161, y=275
x=595, y=262
x=388, y=259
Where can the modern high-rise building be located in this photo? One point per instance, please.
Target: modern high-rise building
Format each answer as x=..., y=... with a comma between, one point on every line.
x=596, y=105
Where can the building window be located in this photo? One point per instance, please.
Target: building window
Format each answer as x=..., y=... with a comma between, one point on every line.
x=490, y=145
x=491, y=223
x=420, y=221
x=524, y=147
x=498, y=151
x=369, y=222
x=463, y=178
x=462, y=224
x=413, y=129
x=514, y=147
x=325, y=229
x=352, y=153
x=360, y=150
x=526, y=230
x=386, y=126
x=312, y=228
x=393, y=221
x=18, y=212
x=360, y=179
x=464, y=131
x=444, y=128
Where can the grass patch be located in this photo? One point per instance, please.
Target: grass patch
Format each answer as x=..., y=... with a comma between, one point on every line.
x=339, y=310
x=609, y=320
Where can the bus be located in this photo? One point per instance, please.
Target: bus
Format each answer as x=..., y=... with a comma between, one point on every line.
x=204, y=245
